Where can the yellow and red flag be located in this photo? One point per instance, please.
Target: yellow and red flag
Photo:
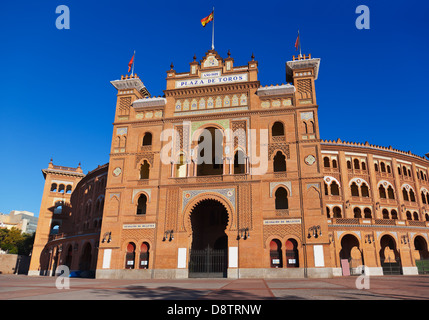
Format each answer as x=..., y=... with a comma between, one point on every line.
x=207, y=19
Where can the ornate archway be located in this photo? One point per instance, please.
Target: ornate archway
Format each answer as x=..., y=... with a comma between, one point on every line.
x=208, y=254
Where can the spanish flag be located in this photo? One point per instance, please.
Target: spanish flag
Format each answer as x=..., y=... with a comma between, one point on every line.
x=207, y=19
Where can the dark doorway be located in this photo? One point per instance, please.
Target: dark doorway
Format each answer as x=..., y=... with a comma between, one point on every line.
x=208, y=255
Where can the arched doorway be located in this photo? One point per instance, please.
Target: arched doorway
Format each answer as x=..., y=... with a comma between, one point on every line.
x=276, y=260
x=389, y=256
x=350, y=255
x=208, y=254
x=85, y=260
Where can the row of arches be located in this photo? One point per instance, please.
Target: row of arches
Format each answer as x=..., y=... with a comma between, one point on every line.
x=351, y=251
x=61, y=188
x=131, y=255
x=290, y=250
x=359, y=188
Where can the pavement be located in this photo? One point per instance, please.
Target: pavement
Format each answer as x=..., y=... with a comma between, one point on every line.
x=22, y=287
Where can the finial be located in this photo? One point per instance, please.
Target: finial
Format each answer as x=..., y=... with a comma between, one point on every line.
x=229, y=53
x=195, y=57
x=79, y=164
x=253, y=57
x=51, y=160
x=171, y=66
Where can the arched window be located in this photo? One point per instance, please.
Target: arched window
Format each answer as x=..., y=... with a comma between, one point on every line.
x=279, y=162
x=239, y=162
x=144, y=256
x=382, y=192
x=409, y=215
x=69, y=189
x=181, y=167
x=276, y=254
x=423, y=197
x=376, y=167
x=337, y=212
x=58, y=207
x=147, y=139
x=385, y=214
x=354, y=189
x=412, y=196
x=405, y=194
x=363, y=165
x=390, y=193
x=335, y=189
x=61, y=188
x=142, y=204
x=326, y=162
x=356, y=164
x=277, y=129
x=54, y=187
x=382, y=167
x=349, y=164
x=292, y=256
x=334, y=163
x=367, y=213
x=394, y=214
x=130, y=256
x=416, y=216
x=281, y=201
x=144, y=170
x=357, y=212
x=364, y=190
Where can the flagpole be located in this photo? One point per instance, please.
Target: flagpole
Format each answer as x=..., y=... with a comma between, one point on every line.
x=134, y=59
x=213, y=31
x=299, y=43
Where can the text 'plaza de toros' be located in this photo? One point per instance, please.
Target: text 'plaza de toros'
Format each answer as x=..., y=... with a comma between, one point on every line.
x=265, y=197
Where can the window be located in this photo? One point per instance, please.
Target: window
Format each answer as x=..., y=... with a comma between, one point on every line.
x=394, y=214
x=356, y=164
x=130, y=256
x=335, y=189
x=144, y=170
x=239, y=162
x=142, y=205
x=382, y=192
x=147, y=139
x=276, y=254
x=364, y=190
x=385, y=214
x=144, y=256
x=292, y=257
x=61, y=188
x=181, y=167
x=357, y=212
x=390, y=193
x=277, y=129
x=354, y=189
x=54, y=187
x=69, y=189
x=337, y=212
x=281, y=201
x=367, y=213
x=326, y=162
x=279, y=162
x=405, y=194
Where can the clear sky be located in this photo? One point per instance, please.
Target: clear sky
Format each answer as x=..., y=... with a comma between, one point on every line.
x=57, y=101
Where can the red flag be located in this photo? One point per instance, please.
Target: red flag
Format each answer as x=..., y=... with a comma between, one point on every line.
x=130, y=64
x=297, y=43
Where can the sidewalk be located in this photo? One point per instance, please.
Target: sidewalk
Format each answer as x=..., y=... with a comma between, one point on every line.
x=342, y=288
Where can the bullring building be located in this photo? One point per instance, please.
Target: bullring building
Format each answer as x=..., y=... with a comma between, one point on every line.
x=222, y=177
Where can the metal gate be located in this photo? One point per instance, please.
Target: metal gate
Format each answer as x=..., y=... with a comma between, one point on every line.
x=391, y=267
x=208, y=263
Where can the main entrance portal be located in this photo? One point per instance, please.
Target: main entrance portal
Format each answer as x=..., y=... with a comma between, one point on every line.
x=208, y=256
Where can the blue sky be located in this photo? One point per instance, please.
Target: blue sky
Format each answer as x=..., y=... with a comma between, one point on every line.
x=57, y=101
